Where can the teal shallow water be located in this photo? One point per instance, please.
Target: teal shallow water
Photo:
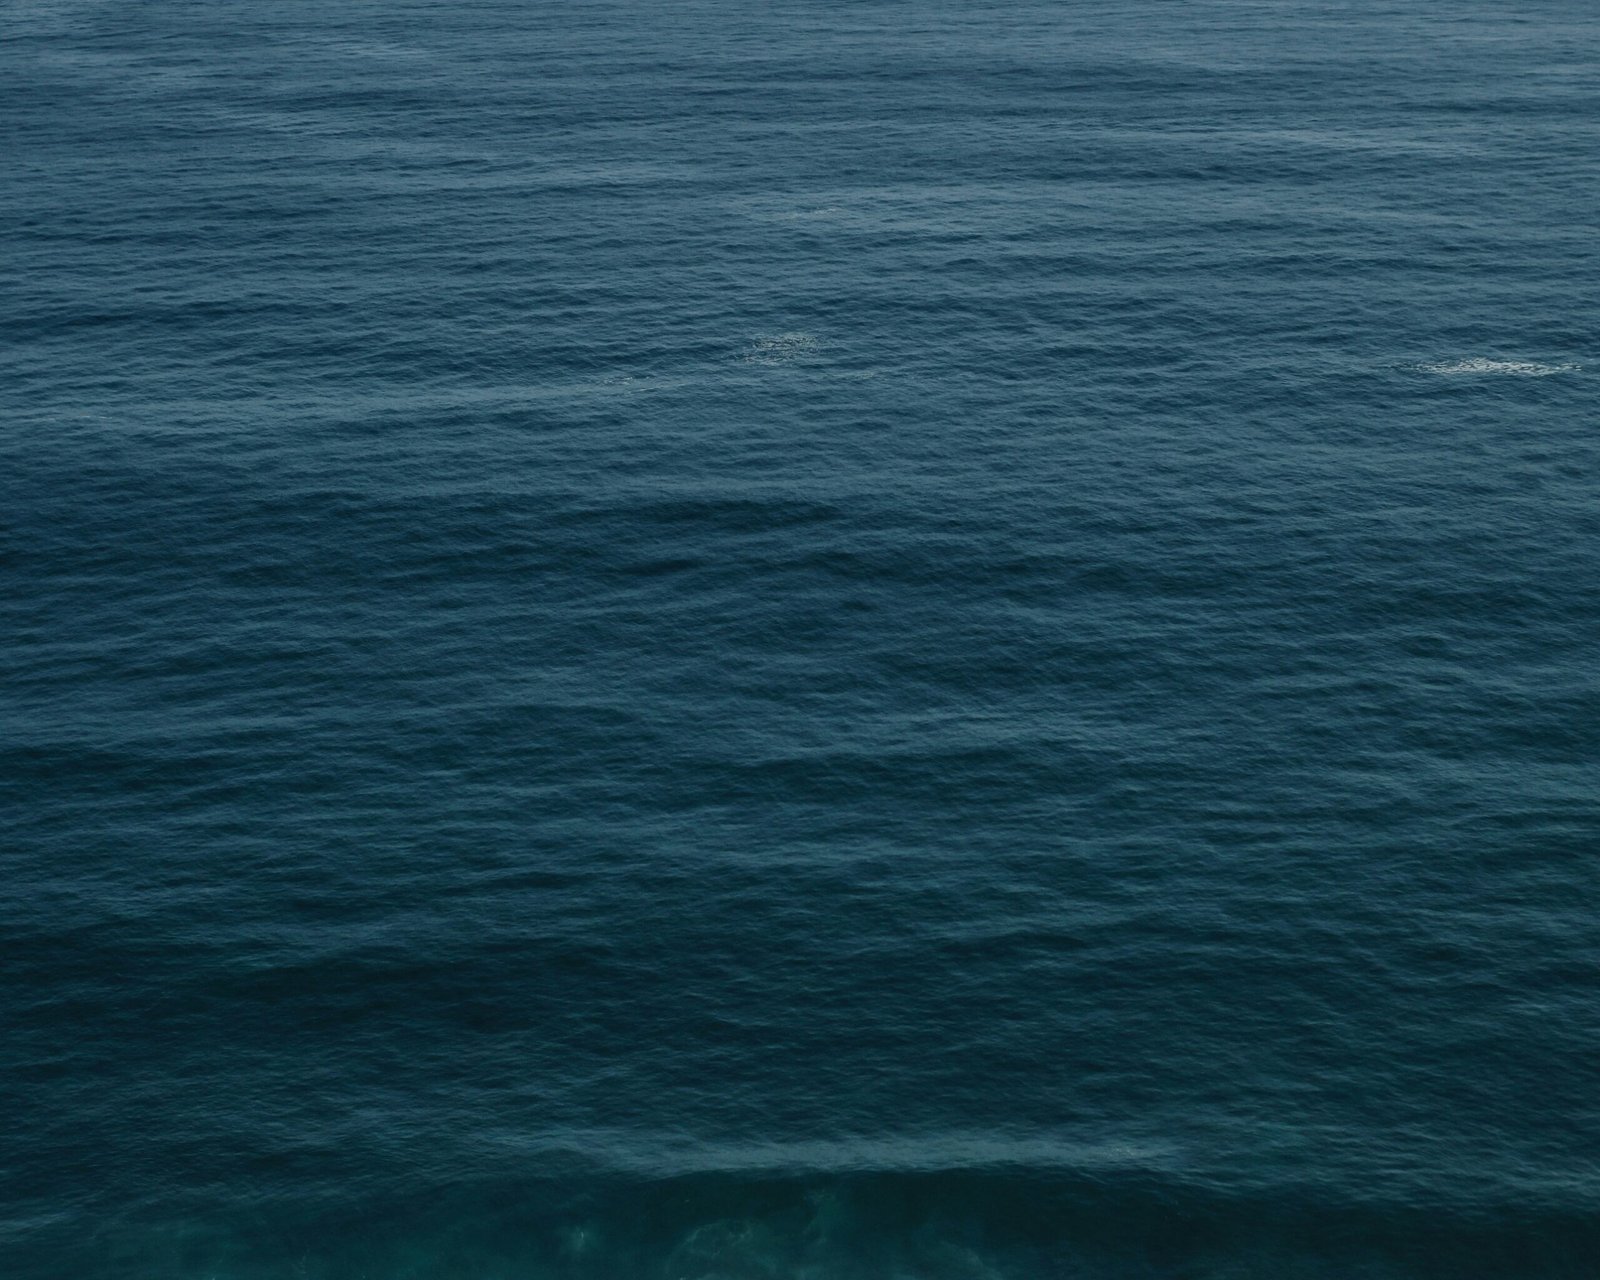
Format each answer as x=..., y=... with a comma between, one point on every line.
x=708, y=641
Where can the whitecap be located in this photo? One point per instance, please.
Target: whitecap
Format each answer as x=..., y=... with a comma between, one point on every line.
x=1512, y=368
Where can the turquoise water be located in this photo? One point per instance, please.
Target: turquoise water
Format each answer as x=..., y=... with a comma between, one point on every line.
x=717, y=641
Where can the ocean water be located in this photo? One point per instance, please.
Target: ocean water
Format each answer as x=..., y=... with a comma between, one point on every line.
x=713, y=640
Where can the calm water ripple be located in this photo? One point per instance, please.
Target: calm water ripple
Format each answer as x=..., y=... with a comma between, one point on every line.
x=728, y=642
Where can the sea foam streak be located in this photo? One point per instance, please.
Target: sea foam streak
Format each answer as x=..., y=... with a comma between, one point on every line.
x=1513, y=368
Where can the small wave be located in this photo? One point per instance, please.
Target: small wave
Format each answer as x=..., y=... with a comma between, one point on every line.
x=1512, y=368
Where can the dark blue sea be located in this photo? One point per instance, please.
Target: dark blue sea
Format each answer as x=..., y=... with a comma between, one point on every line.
x=808, y=640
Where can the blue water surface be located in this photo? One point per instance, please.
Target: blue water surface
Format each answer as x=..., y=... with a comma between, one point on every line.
x=714, y=640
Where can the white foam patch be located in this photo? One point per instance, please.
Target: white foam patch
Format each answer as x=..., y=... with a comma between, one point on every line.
x=780, y=348
x=1504, y=368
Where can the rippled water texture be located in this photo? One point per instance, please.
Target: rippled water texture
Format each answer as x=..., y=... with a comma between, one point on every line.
x=725, y=641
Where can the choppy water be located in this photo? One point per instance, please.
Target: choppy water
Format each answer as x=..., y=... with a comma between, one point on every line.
x=722, y=640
